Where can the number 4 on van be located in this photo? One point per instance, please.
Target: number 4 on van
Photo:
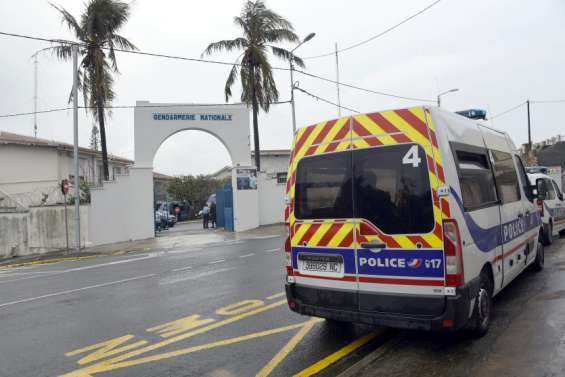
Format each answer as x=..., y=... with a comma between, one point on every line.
x=411, y=157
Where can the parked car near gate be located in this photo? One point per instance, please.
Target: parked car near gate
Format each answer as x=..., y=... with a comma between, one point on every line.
x=411, y=218
x=551, y=205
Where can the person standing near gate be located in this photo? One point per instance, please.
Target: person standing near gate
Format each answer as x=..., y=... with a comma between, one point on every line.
x=213, y=214
x=205, y=216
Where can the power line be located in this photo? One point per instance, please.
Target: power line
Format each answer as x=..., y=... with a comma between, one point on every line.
x=63, y=41
x=364, y=89
x=509, y=110
x=550, y=101
x=166, y=56
x=133, y=107
x=377, y=35
x=325, y=100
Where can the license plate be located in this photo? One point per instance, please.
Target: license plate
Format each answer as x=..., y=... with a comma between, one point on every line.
x=320, y=265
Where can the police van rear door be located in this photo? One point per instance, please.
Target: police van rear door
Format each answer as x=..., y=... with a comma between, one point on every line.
x=397, y=171
x=320, y=216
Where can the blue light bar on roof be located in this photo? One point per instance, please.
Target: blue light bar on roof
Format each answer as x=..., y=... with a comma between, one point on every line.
x=473, y=114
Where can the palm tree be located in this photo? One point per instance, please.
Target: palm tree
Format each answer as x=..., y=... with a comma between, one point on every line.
x=96, y=34
x=261, y=29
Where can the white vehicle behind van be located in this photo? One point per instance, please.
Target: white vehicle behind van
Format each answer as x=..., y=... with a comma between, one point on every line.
x=411, y=218
x=551, y=205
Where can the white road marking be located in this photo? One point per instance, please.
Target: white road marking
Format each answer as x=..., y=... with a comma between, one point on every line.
x=272, y=250
x=182, y=268
x=173, y=280
x=217, y=261
x=74, y=290
x=50, y=273
x=246, y=255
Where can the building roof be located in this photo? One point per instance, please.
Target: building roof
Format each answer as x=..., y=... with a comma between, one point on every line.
x=9, y=138
x=163, y=177
x=273, y=152
x=552, y=155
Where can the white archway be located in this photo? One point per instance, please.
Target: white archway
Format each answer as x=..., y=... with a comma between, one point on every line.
x=124, y=209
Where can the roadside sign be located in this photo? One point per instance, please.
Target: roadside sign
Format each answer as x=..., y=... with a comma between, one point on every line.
x=65, y=186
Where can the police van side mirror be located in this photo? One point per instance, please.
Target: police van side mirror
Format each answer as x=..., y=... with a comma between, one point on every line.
x=541, y=194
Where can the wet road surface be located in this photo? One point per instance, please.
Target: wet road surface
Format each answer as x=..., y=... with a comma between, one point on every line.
x=526, y=338
x=209, y=310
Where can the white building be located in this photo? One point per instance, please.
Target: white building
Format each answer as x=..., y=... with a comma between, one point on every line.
x=274, y=162
x=31, y=169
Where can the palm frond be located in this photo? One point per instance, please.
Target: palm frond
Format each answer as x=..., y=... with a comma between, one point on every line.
x=63, y=52
x=280, y=35
x=227, y=45
x=229, y=82
x=70, y=21
x=123, y=43
x=287, y=56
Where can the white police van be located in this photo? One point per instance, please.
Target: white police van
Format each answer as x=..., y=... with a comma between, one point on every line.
x=411, y=218
x=551, y=206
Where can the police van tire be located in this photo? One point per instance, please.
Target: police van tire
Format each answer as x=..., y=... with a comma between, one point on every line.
x=479, y=322
x=562, y=232
x=540, y=258
x=548, y=235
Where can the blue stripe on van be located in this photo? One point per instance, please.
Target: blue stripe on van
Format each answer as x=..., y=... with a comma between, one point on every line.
x=487, y=239
x=405, y=262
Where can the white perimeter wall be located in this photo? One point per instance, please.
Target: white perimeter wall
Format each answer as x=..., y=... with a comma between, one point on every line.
x=271, y=199
x=39, y=230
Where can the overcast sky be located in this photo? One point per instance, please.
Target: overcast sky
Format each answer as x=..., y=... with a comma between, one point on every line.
x=498, y=53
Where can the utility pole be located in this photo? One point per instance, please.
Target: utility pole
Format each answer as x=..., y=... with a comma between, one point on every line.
x=292, y=97
x=306, y=39
x=337, y=82
x=35, y=95
x=529, y=128
x=75, y=148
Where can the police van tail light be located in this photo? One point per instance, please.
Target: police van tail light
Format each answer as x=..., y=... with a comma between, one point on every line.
x=540, y=207
x=287, y=253
x=454, y=274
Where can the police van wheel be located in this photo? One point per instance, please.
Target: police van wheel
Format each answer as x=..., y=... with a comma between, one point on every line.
x=540, y=258
x=482, y=312
x=548, y=235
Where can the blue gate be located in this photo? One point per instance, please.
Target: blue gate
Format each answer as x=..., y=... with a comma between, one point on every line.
x=224, y=207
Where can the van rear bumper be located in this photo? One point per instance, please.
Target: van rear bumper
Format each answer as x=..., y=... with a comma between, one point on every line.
x=454, y=316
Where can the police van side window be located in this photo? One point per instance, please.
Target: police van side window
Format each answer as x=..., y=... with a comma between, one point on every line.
x=551, y=195
x=506, y=177
x=526, y=185
x=475, y=179
x=559, y=193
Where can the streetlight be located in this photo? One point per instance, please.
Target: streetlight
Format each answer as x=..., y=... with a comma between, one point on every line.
x=441, y=94
x=308, y=37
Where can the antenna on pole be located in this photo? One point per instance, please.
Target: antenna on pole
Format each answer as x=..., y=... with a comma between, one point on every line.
x=337, y=81
x=35, y=94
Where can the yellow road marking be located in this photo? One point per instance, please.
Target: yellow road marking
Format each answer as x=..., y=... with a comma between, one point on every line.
x=108, y=365
x=180, y=325
x=239, y=307
x=116, y=362
x=276, y=295
x=106, y=348
x=48, y=261
x=281, y=355
x=338, y=355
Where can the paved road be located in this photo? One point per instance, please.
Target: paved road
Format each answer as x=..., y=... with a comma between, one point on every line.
x=526, y=338
x=215, y=310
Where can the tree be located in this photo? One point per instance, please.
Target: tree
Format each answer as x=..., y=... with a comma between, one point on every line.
x=96, y=32
x=194, y=189
x=261, y=28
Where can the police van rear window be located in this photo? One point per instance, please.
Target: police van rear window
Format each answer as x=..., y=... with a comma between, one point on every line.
x=388, y=186
x=323, y=187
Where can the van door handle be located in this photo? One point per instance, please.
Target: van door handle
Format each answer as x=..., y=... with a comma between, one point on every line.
x=373, y=245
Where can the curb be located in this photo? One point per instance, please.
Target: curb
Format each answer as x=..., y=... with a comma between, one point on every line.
x=359, y=369
x=47, y=261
